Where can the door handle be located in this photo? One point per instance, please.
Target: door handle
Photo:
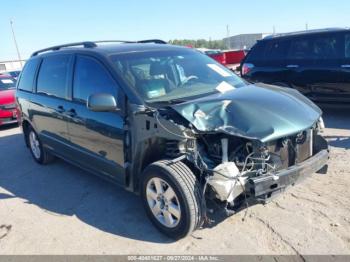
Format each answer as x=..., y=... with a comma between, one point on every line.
x=60, y=109
x=71, y=113
x=345, y=66
x=292, y=66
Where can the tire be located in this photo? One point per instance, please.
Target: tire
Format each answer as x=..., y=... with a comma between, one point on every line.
x=188, y=215
x=39, y=153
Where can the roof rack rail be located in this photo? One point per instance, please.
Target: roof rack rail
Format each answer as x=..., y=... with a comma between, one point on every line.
x=155, y=41
x=58, y=47
x=92, y=44
x=113, y=41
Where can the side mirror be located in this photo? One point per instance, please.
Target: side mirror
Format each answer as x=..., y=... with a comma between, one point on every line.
x=102, y=103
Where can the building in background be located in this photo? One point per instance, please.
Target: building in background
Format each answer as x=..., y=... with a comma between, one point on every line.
x=243, y=41
x=11, y=65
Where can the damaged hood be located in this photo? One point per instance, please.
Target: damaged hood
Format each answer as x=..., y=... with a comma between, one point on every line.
x=259, y=111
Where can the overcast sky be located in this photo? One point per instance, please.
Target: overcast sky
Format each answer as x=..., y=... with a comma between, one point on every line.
x=42, y=23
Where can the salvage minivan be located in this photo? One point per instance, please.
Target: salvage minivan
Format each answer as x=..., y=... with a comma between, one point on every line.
x=169, y=124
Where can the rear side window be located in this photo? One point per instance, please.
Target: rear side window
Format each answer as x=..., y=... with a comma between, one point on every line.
x=53, y=76
x=300, y=49
x=347, y=46
x=27, y=77
x=90, y=77
x=276, y=50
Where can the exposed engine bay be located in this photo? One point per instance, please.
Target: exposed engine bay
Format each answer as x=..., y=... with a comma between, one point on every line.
x=232, y=161
x=229, y=166
x=237, y=148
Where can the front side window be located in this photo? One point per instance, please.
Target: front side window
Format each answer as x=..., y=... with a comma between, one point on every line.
x=161, y=76
x=27, y=78
x=53, y=76
x=90, y=77
x=326, y=47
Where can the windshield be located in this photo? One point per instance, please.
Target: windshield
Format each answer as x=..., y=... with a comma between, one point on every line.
x=7, y=83
x=164, y=76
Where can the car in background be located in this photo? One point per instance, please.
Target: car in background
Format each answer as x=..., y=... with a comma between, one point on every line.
x=216, y=54
x=315, y=62
x=234, y=58
x=8, y=111
x=14, y=74
x=229, y=58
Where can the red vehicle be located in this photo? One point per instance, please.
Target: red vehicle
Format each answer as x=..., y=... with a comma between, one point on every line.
x=230, y=59
x=8, y=111
x=219, y=57
x=234, y=57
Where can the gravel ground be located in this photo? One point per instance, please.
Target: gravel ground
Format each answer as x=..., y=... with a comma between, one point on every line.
x=59, y=209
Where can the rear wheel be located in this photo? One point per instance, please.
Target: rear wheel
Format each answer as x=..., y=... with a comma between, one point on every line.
x=172, y=198
x=37, y=150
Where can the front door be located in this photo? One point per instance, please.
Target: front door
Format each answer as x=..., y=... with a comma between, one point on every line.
x=344, y=87
x=97, y=137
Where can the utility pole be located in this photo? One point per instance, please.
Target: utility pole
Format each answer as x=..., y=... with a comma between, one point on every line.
x=306, y=26
x=15, y=41
x=274, y=30
x=227, y=44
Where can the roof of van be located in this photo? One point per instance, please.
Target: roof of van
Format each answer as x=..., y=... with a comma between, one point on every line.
x=307, y=32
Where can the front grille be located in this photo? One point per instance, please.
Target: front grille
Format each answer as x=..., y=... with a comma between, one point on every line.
x=294, y=149
x=7, y=120
x=8, y=106
x=304, y=147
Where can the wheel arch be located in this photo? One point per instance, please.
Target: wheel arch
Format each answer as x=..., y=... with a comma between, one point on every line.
x=26, y=125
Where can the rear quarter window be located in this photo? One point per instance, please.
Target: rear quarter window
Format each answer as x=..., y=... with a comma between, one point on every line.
x=256, y=53
x=26, y=80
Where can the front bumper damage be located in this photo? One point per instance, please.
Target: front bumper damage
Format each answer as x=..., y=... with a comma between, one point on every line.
x=263, y=188
x=245, y=187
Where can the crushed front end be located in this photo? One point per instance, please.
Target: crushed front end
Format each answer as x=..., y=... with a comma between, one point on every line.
x=240, y=147
x=239, y=169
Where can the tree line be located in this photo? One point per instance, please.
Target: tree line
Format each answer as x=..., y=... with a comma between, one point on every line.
x=200, y=43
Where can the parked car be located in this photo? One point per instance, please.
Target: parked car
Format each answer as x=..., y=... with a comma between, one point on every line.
x=234, y=58
x=315, y=62
x=14, y=74
x=170, y=124
x=8, y=112
x=229, y=58
x=216, y=54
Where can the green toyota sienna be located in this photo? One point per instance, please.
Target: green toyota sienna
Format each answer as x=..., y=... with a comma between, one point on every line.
x=169, y=124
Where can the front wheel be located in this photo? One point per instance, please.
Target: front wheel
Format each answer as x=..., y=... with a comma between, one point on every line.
x=172, y=198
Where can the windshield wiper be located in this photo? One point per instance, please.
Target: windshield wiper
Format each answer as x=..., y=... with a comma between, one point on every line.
x=169, y=101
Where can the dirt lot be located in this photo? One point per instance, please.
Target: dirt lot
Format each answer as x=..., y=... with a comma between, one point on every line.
x=59, y=209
